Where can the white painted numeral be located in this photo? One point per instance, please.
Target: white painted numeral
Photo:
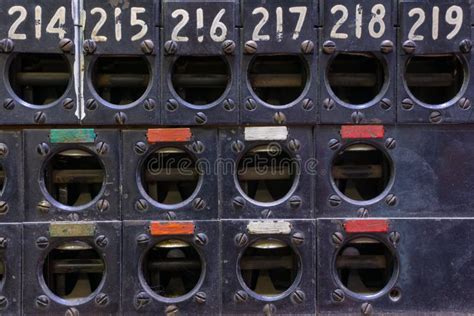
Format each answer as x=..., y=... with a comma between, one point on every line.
x=256, y=36
x=184, y=20
x=12, y=32
x=378, y=14
x=218, y=29
x=57, y=22
x=134, y=20
x=342, y=20
x=99, y=25
x=376, y=26
x=301, y=11
x=453, y=16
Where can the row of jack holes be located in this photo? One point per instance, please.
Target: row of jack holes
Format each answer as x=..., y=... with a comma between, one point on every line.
x=170, y=175
x=269, y=268
x=277, y=80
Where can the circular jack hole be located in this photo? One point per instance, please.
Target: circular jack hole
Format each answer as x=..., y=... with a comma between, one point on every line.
x=169, y=175
x=200, y=80
x=74, y=177
x=266, y=173
x=73, y=270
x=361, y=172
x=278, y=79
x=356, y=78
x=120, y=80
x=3, y=179
x=395, y=295
x=434, y=79
x=172, y=268
x=269, y=267
x=365, y=265
x=39, y=79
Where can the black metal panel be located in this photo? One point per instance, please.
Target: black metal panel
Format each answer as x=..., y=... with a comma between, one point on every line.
x=450, y=82
x=38, y=299
x=296, y=203
x=122, y=73
x=195, y=35
x=40, y=151
x=238, y=298
x=274, y=33
x=358, y=62
x=10, y=253
x=200, y=204
x=138, y=297
x=428, y=253
x=430, y=175
x=11, y=160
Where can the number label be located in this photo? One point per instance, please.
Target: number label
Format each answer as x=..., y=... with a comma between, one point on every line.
x=279, y=15
x=102, y=18
x=452, y=17
x=375, y=28
x=54, y=25
x=217, y=32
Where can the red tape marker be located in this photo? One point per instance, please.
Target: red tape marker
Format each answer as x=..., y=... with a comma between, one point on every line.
x=157, y=135
x=362, y=131
x=171, y=228
x=366, y=226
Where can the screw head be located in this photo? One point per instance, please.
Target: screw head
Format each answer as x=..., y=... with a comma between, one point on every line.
x=238, y=202
x=465, y=46
x=200, y=297
x=171, y=310
x=3, y=302
x=120, y=118
x=279, y=118
x=407, y=104
x=269, y=309
x=385, y=104
x=298, y=297
x=337, y=238
x=357, y=117
x=72, y=311
x=297, y=238
x=307, y=104
x=241, y=296
x=409, y=47
x=9, y=104
x=140, y=148
x=201, y=239
x=3, y=150
x=42, y=149
x=39, y=117
x=436, y=117
x=91, y=104
x=3, y=207
x=464, y=103
x=68, y=103
x=229, y=105
x=329, y=47
x=237, y=146
x=170, y=216
x=390, y=143
x=250, y=47
x=362, y=212
x=149, y=104
x=42, y=242
x=228, y=47
x=334, y=200
x=328, y=104
x=89, y=46
x=147, y=46
x=250, y=105
x=171, y=105
x=43, y=206
x=171, y=47
x=307, y=47
x=101, y=241
x=143, y=239
x=197, y=147
x=334, y=144
x=338, y=295
x=241, y=239
x=102, y=299
x=141, y=205
x=7, y=45
x=66, y=45
x=42, y=301
x=141, y=300
x=391, y=199
x=267, y=213
x=102, y=205
x=3, y=242
x=200, y=118
x=394, y=237
x=386, y=47
x=366, y=309
x=199, y=204
x=102, y=148
x=295, y=202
